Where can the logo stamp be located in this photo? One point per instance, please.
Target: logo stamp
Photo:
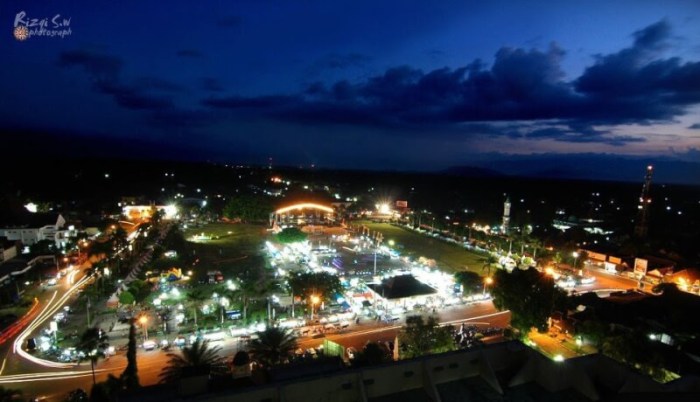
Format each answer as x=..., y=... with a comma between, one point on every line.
x=26, y=27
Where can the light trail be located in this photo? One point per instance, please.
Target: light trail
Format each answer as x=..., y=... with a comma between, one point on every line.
x=19, y=324
x=46, y=313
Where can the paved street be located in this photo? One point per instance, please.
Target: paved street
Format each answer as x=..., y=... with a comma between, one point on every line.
x=54, y=383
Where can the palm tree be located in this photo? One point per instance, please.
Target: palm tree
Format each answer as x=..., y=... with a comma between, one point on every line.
x=489, y=261
x=199, y=354
x=197, y=296
x=8, y=394
x=273, y=345
x=247, y=290
x=93, y=343
x=556, y=259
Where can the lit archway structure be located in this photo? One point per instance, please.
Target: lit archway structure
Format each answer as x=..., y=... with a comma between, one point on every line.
x=301, y=214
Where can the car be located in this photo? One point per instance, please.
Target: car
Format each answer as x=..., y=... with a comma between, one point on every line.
x=587, y=280
x=149, y=345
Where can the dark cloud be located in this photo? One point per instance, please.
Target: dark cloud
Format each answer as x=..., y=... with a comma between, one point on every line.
x=190, y=53
x=133, y=98
x=262, y=102
x=695, y=126
x=97, y=65
x=104, y=73
x=652, y=36
x=229, y=21
x=210, y=84
x=158, y=84
x=633, y=85
x=180, y=118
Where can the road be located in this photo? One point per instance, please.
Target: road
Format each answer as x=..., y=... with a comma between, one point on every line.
x=605, y=280
x=52, y=384
x=52, y=381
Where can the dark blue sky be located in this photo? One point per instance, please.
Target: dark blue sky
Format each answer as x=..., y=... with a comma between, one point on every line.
x=360, y=84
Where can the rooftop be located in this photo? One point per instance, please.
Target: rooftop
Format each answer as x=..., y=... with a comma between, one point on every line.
x=398, y=287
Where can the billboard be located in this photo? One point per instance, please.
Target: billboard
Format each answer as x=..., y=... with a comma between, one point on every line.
x=401, y=204
x=640, y=266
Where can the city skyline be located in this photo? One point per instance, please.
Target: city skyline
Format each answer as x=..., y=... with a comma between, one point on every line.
x=401, y=86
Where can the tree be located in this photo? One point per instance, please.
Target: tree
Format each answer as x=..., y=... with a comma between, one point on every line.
x=372, y=353
x=139, y=289
x=126, y=298
x=8, y=394
x=76, y=395
x=119, y=238
x=557, y=259
x=106, y=391
x=320, y=284
x=196, y=297
x=273, y=345
x=248, y=208
x=130, y=376
x=291, y=235
x=489, y=261
x=100, y=248
x=471, y=281
x=593, y=330
x=529, y=295
x=93, y=343
x=420, y=337
x=43, y=247
x=199, y=355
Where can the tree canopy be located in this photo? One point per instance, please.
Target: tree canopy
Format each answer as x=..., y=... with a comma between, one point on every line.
x=291, y=235
x=199, y=354
x=248, y=208
x=420, y=337
x=471, y=282
x=321, y=284
x=273, y=345
x=126, y=297
x=529, y=295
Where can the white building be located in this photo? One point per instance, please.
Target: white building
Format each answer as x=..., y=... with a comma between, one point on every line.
x=37, y=227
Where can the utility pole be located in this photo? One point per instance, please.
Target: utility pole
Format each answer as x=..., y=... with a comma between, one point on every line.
x=641, y=228
x=375, y=260
x=88, y=311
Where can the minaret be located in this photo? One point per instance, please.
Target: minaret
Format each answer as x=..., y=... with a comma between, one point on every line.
x=506, y=216
x=641, y=228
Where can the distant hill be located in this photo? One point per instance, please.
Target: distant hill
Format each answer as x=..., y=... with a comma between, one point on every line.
x=471, y=171
x=588, y=167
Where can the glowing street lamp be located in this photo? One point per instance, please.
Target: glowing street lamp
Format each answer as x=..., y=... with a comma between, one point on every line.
x=314, y=300
x=487, y=281
x=575, y=255
x=144, y=323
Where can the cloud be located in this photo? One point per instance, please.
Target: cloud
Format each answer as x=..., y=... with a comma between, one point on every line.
x=634, y=85
x=190, y=53
x=97, y=65
x=133, y=98
x=695, y=126
x=158, y=84
x=104, y=72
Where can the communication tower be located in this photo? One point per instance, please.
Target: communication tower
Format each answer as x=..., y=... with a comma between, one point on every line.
x=641, y=228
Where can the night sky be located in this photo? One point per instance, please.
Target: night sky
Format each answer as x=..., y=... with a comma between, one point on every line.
x=360, y=84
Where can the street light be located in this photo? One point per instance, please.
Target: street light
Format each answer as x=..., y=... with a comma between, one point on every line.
x=487, y=281
x=144, y=323
x=575, y=255
x=314, y=301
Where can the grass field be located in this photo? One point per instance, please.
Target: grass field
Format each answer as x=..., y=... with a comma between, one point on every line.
x=449, y=257
x=229, y=247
